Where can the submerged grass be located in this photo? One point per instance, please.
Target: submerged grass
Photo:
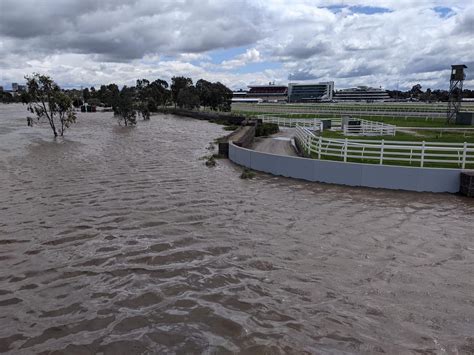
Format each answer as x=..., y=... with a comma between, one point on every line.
x=247, y=174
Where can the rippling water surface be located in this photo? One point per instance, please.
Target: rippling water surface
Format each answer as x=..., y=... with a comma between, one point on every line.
x=121, y=241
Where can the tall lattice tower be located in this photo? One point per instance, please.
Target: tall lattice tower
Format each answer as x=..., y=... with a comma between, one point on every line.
x=455, y=91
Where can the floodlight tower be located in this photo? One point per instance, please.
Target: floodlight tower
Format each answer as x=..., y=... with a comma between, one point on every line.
x=455, y=91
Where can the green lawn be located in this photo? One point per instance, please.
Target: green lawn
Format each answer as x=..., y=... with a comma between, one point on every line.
x=438, y=108
x=394, y=153
x=398, y=121
x=422, y=135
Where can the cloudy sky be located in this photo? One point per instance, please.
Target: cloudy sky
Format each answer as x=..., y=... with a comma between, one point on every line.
x=388, y=43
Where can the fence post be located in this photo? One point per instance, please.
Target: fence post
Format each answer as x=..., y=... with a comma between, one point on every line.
x=308, y=143
x=345, y=150
x=464, y=155
x=381, y=152
x=319, y=146
x=422, y=154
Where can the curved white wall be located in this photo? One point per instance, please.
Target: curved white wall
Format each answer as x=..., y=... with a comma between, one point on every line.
x=352, y=174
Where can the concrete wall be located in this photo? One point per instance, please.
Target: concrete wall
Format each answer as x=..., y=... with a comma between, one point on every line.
x=352, y=174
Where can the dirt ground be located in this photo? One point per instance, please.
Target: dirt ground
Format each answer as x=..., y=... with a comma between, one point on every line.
x=279, y=143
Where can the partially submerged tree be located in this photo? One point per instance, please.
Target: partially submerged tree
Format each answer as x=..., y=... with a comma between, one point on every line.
x=124, y=107
x=150, y=96
x=144, y=100
x=45, y=99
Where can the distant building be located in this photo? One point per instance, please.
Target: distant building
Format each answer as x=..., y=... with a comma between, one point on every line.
x=310, y=92
x=14, y=87
x=239, y=93
x=21, y=88
x=361, y=93
x=1, y=88
x=241, y=96
x=268, y=93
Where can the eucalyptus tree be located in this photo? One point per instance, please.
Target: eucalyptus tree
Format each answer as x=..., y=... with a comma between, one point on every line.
x=217, y=96
x=188, y=98
x=125, y=108
x=179, y=83
x=144, y=103
x=46, y=99
x=160, y=94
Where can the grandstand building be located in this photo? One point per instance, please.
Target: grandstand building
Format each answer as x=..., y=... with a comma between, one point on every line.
x=361, y=93
x=268, y=93
x=306, y=92
x=241, y=96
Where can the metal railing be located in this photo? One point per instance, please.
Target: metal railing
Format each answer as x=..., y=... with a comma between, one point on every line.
x=386, y=152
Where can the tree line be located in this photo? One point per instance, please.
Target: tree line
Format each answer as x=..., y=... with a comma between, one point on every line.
x=147, y=97
x=416, y=93
x=46, y=100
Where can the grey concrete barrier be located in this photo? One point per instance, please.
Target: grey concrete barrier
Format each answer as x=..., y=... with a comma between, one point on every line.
x=352, y=174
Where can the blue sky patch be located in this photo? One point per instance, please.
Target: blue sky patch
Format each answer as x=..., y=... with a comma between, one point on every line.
x=220, y=55
x=444, y=11
x=335, y=8
x=367, y=10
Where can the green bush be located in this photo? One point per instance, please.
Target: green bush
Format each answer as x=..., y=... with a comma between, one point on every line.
x=266, y=129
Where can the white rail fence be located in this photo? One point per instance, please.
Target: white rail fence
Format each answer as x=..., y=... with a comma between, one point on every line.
x=464, y=130
x=355, y=107
x=335, y=112
x=369, y=128
x=314, y=123
x=385, y=152
x=365, y=128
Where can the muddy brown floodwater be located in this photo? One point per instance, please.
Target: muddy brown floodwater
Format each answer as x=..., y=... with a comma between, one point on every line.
x=121, y=241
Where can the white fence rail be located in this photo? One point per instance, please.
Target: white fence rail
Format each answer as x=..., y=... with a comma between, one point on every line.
x=369, y=128
x=464, y=130
x=383, y=152
x=336, y=111
x=314, y=123
x=365, y=128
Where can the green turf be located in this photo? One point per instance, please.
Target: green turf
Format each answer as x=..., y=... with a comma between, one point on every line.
x=398, y=121
x=417, y=136
x=402, y=137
